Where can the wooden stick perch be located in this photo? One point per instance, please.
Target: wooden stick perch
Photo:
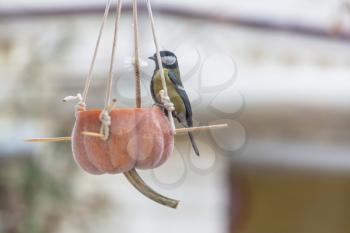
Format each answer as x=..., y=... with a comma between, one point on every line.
x=98, y=135
x=59, y=139
x=200, y=128
x=178, y=131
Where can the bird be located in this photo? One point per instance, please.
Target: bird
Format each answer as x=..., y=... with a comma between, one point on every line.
x=176, y=91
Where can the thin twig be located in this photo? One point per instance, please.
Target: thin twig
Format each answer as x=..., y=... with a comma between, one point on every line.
x=92, y=134
x=134, y=178
x=59, y=139
x=201, y=128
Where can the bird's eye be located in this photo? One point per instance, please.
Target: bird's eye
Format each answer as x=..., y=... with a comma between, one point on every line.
x=169, y=60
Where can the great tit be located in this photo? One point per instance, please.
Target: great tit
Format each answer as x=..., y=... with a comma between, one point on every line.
x=176, y=91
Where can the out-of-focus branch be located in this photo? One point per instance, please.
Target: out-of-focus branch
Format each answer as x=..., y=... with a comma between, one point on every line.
x=183, y=12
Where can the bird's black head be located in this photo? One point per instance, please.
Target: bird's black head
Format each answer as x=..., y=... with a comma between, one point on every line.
x=169, y=60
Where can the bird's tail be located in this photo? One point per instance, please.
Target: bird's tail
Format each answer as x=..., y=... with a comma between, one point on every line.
x=193, y=142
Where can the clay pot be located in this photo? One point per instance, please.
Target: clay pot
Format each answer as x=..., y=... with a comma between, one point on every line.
x=139, y=138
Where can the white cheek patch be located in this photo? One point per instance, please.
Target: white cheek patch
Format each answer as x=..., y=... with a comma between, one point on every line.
x=169, y=60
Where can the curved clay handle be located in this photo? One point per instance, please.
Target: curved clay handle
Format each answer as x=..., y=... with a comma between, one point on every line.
x=135, y=179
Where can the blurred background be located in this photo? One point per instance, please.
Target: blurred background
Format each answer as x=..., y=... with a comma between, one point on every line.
x=276, y=71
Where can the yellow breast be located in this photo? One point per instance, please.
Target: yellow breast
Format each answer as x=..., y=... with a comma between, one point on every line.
x=174, y=96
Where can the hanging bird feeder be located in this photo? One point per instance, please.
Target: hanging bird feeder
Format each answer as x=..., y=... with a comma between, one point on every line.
x=114, y=140
x=138, y=138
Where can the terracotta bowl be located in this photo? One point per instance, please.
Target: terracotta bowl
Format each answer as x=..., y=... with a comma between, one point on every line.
x=139, y=138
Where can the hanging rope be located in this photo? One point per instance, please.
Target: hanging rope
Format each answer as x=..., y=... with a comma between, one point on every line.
x=161, y=70
x=137, y=56
x=92, y=65
x=104, y=116
x=81, y=105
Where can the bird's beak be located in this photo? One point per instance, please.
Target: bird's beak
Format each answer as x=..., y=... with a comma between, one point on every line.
x=152, y=58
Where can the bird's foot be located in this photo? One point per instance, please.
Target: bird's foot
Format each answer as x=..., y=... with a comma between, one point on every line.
x=161, y=106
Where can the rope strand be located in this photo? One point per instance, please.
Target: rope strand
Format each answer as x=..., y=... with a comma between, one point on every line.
x=137, y=56
x=114, y=50
x=92, y=65
x=159, y=59
x=104, y=116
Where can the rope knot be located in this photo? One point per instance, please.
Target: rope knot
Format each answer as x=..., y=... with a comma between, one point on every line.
x=105, y=118
x=80, y=106
x=106, y=121
x=166, y=101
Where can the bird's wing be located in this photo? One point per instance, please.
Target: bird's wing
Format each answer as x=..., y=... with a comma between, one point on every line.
x=176, y=72
x=182, y=92
x=151, y=87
